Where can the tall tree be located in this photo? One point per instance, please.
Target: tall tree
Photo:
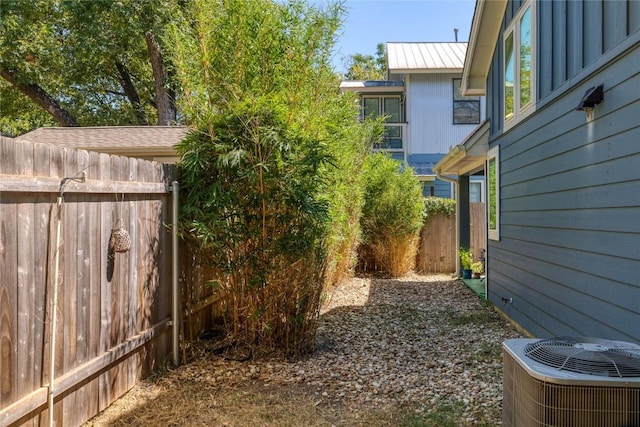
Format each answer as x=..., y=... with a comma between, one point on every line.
x=86, y=63
x=368, y=67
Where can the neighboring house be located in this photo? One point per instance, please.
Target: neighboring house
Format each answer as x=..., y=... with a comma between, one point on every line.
x=145, y=142
x=563, y=162
x=425, y=112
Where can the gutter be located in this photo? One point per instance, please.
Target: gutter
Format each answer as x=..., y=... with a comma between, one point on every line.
x=454, y=152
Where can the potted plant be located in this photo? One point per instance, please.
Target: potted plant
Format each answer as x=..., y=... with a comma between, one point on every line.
x=477, y=268
x=466, y=258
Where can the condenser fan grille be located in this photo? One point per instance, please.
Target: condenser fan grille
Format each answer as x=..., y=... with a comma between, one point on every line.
x=592, y=356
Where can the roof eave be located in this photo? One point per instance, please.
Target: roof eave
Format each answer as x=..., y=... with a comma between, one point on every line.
x=485, y=29
x=468, y=156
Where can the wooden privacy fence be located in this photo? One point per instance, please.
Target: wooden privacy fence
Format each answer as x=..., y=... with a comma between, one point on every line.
x=437, y=250
x=113, y=309
x=477, y=215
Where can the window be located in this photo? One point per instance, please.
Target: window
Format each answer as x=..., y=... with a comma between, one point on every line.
x=493, y=183
x=388, y=106
x=466, y=109
x=519, y=66
x=476, y=193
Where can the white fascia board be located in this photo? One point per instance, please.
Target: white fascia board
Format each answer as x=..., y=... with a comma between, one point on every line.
x=426, y=71
x=485, y=29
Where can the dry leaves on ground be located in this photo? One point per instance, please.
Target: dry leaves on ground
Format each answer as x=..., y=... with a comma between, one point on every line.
x=423, y=350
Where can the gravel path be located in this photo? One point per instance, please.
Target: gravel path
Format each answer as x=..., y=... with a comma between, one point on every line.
x=422, y=342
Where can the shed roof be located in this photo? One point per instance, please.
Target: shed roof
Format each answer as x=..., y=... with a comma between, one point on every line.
x=138, y=141
x=429, y=57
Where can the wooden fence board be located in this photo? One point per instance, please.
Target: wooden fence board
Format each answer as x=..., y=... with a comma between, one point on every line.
x=436, y=252
x=101, y=341
x=25, y=274
x=8, y=302
x=478, y=229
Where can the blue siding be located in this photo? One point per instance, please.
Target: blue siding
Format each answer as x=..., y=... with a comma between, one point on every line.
x=634, y=16
x=571, y=35
x=443, y=189
x=574, y=38
x=569, y=253
x=593, y=31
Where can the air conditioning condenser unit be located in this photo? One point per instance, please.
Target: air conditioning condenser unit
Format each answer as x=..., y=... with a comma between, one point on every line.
x=571, y=382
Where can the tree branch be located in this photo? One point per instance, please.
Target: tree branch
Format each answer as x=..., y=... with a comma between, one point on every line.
x=42, y=99
x=165, y=102
x=131, y=93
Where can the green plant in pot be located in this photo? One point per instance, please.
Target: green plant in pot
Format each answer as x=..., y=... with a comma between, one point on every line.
x=466, y=258
x=477, y=268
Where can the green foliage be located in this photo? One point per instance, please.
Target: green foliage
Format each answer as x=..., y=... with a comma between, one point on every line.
x=466, y=258
x=80, y=54
x=18, y=114
x=251, y=201
x=438, y=206
x=393, y=198
x=392, y=214
x=272, y=176
x=368, y=67
x=493, y=194
x=477, y=267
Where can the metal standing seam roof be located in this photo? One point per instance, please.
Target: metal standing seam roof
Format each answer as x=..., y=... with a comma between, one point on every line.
x=426, y=57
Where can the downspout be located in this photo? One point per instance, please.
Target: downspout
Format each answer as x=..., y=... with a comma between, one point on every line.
x=54, y=302
x=175, y=288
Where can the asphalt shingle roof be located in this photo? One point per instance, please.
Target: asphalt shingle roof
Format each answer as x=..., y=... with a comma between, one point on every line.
x=127, y=140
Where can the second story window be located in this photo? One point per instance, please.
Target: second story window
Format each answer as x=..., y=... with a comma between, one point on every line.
x=519, y=66
x=389, y=107
x=466, y=109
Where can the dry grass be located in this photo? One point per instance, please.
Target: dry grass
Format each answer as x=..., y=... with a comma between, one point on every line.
x=196, y=403
x=396, y=256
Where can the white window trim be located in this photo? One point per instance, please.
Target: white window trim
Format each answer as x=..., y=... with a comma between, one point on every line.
x=494, y=153
x=514, y=27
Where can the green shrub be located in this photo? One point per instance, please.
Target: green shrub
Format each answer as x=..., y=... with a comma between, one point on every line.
x=272, y=173
x=392, y=216
x=466, y=258
x=434, y=206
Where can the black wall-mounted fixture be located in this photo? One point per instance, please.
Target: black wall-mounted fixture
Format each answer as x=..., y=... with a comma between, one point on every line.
x=591, y=97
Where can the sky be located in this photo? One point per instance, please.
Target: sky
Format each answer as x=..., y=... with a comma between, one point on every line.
x=369, y=22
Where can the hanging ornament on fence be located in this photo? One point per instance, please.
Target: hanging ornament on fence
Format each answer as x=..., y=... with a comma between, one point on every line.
x=120, y=240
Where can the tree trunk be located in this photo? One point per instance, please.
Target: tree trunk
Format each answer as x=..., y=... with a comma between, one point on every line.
x=41, y=98
x=165, y=102
x=131, y=93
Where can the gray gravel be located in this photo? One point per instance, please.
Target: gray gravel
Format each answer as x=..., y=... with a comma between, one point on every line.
x=422, y=341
